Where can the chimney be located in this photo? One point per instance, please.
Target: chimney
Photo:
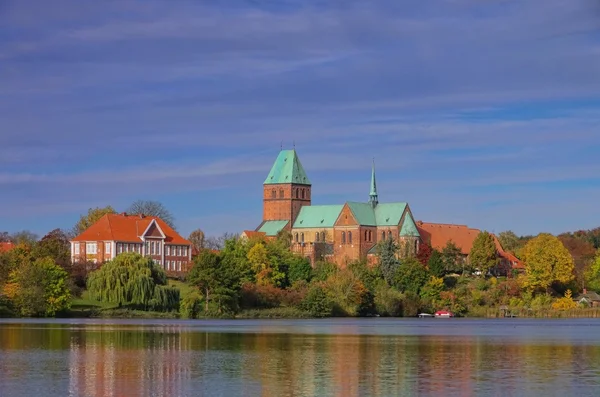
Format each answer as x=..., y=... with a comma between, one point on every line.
x=124, y=214
x=142, y=216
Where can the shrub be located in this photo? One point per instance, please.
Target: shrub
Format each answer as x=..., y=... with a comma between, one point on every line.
x=191, y=305
x=565, y=303
x=316, y=302
x=260, y=296
x=388, y=300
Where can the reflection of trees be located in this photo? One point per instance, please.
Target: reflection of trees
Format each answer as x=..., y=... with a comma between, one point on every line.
x=133, y=360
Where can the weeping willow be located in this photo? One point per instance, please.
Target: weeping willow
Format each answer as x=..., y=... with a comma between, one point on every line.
x=133, y=280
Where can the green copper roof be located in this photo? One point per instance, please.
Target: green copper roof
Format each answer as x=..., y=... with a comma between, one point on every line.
x=315, y=216
x=364, y=213
x=271, y=228
x=389, y=214
x=287, y=169
x=408, y=227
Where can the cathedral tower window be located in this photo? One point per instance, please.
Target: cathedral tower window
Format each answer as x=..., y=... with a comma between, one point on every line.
x=302, y=193
x=343, y=237
x=273, y=194
x=280, y=193
x=349, y=237
x=390, y=234
x=383, y=235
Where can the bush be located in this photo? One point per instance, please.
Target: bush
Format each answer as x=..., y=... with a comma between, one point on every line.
x=191, y=306
x=411, y=304
x=323, y=270
x=388, y=301
x=260, y=296
x=316, y=302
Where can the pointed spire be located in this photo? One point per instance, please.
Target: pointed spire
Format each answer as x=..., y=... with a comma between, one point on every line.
x=373, y=199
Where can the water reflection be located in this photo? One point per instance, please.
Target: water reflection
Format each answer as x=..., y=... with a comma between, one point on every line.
x=176, y=360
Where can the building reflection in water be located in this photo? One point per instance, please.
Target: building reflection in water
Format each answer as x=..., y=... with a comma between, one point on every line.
x=180, y=361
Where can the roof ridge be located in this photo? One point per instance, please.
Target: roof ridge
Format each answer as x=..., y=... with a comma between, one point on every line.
x=112, y=237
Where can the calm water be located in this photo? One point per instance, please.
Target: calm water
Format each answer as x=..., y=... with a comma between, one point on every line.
x=355, y=357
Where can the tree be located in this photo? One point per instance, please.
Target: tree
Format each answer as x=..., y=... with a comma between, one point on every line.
x=582, y=251
x=436, y=263
x=547, y=262
x=424, y=253
x=217, y=280
x=39, y=288
x=152, y=208
x=24, y=237
x=55, y=245
x=218, y=243
x=592, y=274
x=410, y=276
x=346, y=292
x=197, y=239
x=452, y=257
x=5, y=237
x=509, y=241
x=299, y=269
x=323, y=270
x=92, y=216
x=388, y=261
x=483, y=255
x=131, y=279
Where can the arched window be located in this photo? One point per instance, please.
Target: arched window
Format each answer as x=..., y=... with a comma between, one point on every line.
x=370, y=236
x=366, y=235
x=273, y=194
x=416, y=245
x=317, y=236
x=383, y=235
x=296, y=237
x=349, y=237
x=280, y=193
x=302, y=237
x=297, y=193
x=390, y=234
x=343, y=237
x=302, y=193
x=323, y=236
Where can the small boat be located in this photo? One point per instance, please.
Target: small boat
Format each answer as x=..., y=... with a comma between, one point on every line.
x=425, y=315
x=443, y=314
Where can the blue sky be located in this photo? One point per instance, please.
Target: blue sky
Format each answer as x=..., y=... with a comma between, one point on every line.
x=484, y=113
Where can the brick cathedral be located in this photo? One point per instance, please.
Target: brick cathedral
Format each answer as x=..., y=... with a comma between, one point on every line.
x=339, y=233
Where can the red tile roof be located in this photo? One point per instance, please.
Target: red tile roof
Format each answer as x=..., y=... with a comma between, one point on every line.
x=254, y=234
x=127, y=228
x=5, y=247
x=438, y=234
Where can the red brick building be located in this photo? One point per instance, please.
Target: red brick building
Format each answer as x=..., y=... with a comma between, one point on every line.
x=339, y=233
x=346, y=232
x=149, y=236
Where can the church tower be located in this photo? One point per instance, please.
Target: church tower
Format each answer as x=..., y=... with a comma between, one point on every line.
x=286, y=189
x=373, y=197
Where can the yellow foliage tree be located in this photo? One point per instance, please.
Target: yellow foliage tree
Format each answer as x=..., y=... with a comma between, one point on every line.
x=547, y=261
x=565, y=303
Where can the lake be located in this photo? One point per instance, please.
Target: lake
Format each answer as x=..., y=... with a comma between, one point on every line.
x=329, y=357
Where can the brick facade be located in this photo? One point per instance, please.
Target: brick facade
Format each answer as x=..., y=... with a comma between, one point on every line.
x=284, y=201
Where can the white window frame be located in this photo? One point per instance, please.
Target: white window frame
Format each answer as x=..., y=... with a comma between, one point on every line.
x=107, y=247
x=178, y=266
x=158, y=248
x=179, y=250
x=168, y=250
x=91, y=248
x=76, y=248
x=152, y=248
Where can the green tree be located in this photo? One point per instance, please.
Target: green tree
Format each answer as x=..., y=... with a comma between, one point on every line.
x=217, y=280
x=299, y=269
x=323, y=270
x=197, y=239
x=483, y=256
x=24, y=237
x=92, y=216
x=388, y=300
x=131, y=279
x=452, y=258
x=347, y=293
x=316, y=301
x=388, y=260
x=547, y=262
x=265, y=272
x=436, y=263
x=39, y=288
x=410, y=276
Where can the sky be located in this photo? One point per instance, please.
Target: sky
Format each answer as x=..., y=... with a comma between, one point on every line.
x=485, y=113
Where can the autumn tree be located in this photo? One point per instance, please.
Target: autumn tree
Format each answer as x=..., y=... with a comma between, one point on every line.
x=92, y=216
x=152, y=208
x=509, y=241
x=424, y=253
x=410, y=276
x=55, y=245
x=547, y=262
x=38, y=288
x=483, y=255
x=197, y=239
x=452, y=257
x=266, y=272
x=592, y=274
x=582, y=251
x=346, y=292
x=24, y=237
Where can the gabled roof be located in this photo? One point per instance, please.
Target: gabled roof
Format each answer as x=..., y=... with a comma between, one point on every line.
x=271, y=228
x=389, y=214
x=253, y=234
x=363, y=213
x=317, y=216
x=127, y=228
x=590, y=296
x=287, y=169
x=7, y=246
x=409, y=228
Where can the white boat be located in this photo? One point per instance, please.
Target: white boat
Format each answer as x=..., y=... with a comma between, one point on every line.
x=425, y=315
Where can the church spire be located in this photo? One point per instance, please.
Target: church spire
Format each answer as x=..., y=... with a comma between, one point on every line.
x=373, y=199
